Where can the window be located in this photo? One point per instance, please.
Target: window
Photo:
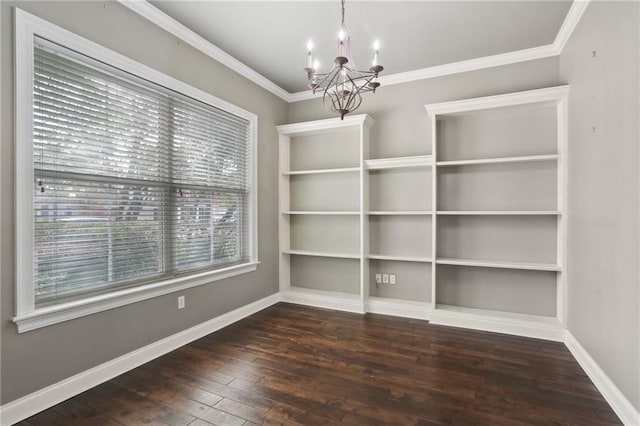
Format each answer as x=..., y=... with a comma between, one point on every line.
x=133, y=182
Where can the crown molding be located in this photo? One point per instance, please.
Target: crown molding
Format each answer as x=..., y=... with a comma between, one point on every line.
x=452, y=68
x=156, y=16
x=570, y=22
x=167, y=23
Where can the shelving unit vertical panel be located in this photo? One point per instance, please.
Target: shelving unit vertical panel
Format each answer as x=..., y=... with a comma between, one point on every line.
x=284, y=237
x=364, y=218
x=434, y=207
x=562, y=139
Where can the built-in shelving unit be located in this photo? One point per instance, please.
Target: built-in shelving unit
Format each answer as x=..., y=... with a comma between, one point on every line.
x=472, y=227
x=321, y=225
x=499, y=202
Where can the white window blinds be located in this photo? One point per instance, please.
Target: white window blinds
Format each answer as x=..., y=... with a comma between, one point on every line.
x=133, y=182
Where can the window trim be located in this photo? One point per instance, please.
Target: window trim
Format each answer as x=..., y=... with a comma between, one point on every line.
x=27, y=316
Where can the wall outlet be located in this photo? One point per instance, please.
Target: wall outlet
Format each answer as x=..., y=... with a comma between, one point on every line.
x=378, y=278
x=392, y=278
x=180, y=302
x=385, y=278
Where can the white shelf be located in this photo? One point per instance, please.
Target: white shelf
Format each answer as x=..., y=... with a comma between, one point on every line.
x=399, y=162
x=500, y=264
x=499, y=213
x=321, y=254
x=530, y=158
x=400, y=258
x=400, y=213
x=321, y=171
x=322, y=212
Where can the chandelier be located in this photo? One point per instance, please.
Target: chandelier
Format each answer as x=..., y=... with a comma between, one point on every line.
x=342, y=87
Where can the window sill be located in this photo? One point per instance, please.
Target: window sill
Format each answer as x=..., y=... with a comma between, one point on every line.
x=79, y=308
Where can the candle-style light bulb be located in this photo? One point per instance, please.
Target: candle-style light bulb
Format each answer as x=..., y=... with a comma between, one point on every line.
x=376, y=48
x=309, y=55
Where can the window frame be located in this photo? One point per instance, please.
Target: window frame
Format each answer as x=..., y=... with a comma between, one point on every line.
x=27, y=315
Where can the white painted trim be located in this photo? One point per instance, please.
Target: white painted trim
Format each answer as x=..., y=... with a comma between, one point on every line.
x=398, y=308
x=619, y=403
x=320, y=126
x=498, y=324
x=452, y=68
x=23, y=152
x=161, y=19
x=553, y=94
x=167, y=23
x=398, y=162
x=35, y=402
x=27, y=317
x=570, y=22
x=79, y=308
x=323, y=299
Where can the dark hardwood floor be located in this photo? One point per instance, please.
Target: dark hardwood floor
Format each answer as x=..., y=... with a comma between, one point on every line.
x=291, y=364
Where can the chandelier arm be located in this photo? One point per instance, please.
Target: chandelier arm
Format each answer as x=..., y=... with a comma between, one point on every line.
x=331, y=76
x=328, y=77
x=359, y=89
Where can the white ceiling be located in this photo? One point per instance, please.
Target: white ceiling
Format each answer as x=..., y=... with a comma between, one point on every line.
x=270, y=36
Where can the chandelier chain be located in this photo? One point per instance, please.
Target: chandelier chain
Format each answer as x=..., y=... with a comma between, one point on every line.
x=342, y=23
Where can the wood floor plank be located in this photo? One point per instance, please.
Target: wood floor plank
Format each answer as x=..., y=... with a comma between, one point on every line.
x=296, y=365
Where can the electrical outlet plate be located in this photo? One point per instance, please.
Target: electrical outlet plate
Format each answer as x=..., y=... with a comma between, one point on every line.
x=392, y=278
x=378, y=278
x=385, y=278
x=181, y=302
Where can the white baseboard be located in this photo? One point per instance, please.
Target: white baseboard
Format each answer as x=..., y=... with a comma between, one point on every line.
x=398, y=308
x=511, y=326
x=35, y=402
x=323, y=299
x=619, y=403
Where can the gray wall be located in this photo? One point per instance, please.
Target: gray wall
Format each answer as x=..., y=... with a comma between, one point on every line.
x=603, y=189
x=33, y=360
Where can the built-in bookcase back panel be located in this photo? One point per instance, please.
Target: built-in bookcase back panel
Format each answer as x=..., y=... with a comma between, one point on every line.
x=385, y=193
x=321, y=273
x=502, y=186
x=506, y=290
x=329, y=150
x=413, y=280
x=387, y=142
x=331, y=191
x=337, y=234
x=501, y=238
x=400, y=236
x=498, y=132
